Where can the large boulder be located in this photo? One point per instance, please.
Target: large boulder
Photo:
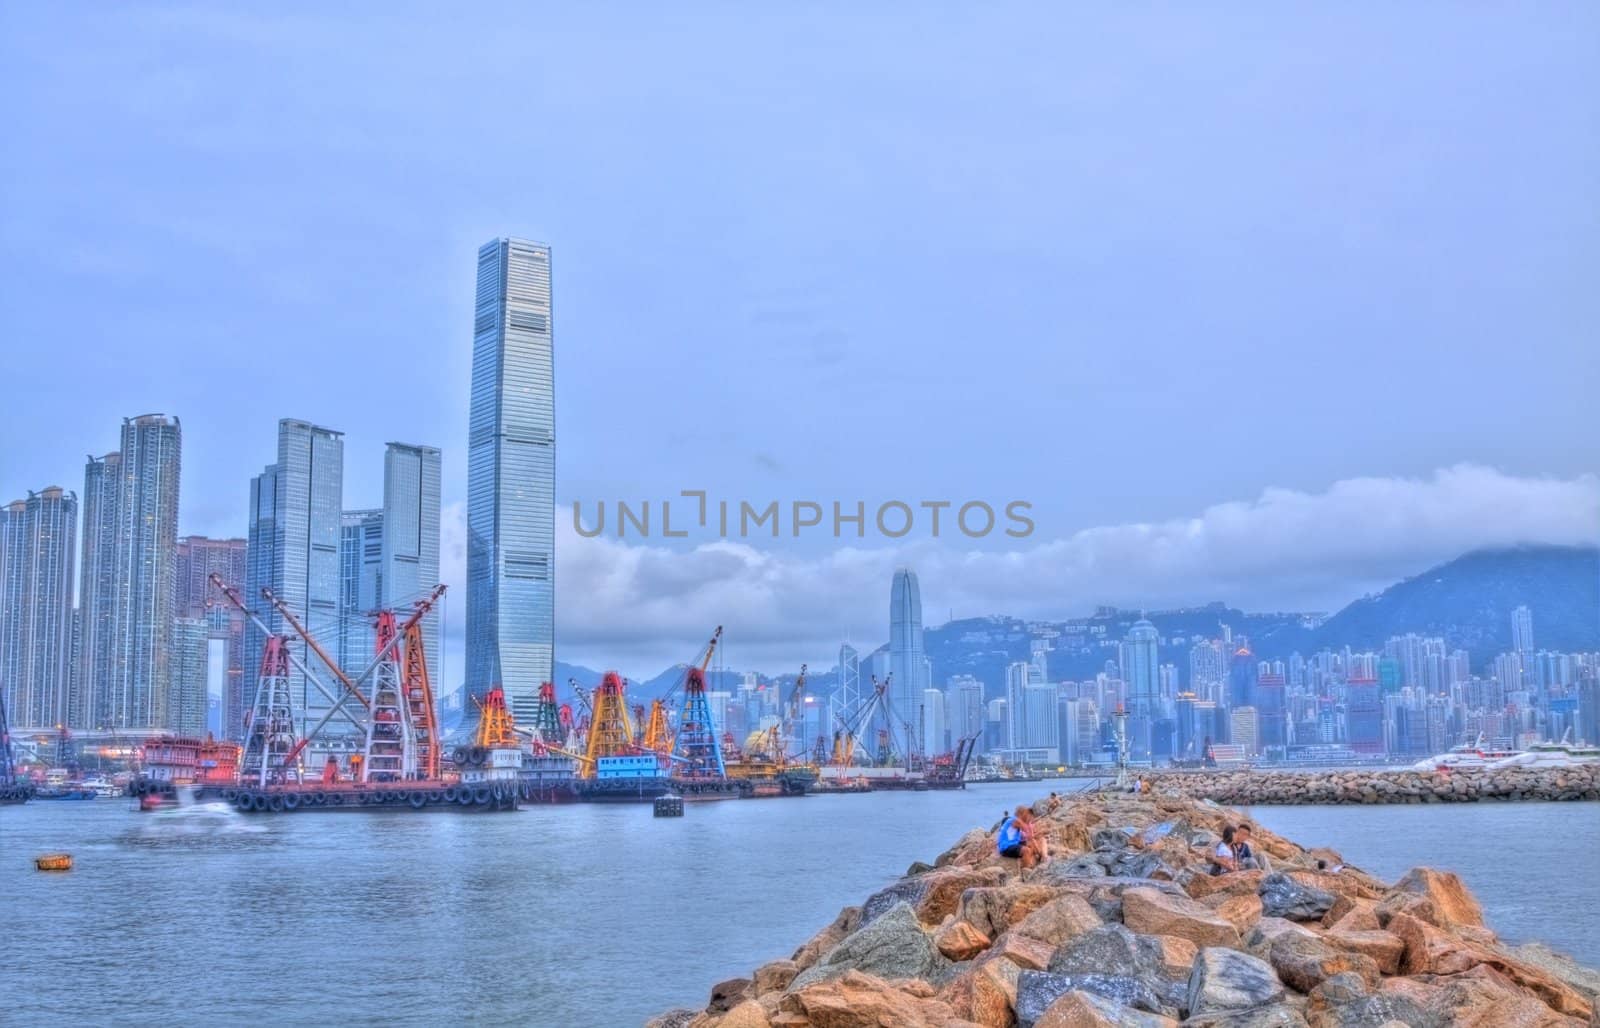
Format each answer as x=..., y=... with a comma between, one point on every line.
x=813, y=948
x=1353, y=914
x=1082, y=1009
x=1037, y=991
x=984, y=993
x=993, y=909
x=729, y=994
x=1273, y=1015
x=1433, y=951
x=1452, y=904
x=1201, y=886
x=1304, y=962
x=1241, y=911
x=1282, y=896
x=1385, y=948
x=958, y=940
x=933, y=895
x=969, y=849
x=1028, y=953
x=893, y=946
x=1109, y=949
x=774, y=976
x=857, y=1000
x=748, y=1014
x=678, y=1017
x=1150, y=912
x=1060, y=871
x=1063, y=918
x=1228, y=980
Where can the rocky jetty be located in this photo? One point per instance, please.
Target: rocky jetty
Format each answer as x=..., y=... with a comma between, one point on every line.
x=1249, y=788
x=1125, y=926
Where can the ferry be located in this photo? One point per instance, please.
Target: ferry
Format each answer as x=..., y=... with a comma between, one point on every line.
x=1466, y=757
x=1551, y=755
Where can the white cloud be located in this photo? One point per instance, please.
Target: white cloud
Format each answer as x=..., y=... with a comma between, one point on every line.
x=640, y=607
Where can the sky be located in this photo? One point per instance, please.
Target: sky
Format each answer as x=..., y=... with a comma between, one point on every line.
x=1273, y=305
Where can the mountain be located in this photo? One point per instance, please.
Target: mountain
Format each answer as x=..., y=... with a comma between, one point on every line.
x=1469, y=602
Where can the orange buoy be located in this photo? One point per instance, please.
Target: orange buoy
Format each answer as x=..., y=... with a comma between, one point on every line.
x=54, y=862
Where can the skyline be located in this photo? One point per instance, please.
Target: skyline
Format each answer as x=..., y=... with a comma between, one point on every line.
x=1157, y=275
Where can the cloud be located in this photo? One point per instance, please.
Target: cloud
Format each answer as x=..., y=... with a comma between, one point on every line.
x=639, y=607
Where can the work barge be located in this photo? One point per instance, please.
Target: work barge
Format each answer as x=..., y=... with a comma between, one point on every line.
x=390, y=755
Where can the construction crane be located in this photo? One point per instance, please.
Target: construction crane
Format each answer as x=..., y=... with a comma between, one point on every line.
x=658, y=736
x=610, y=732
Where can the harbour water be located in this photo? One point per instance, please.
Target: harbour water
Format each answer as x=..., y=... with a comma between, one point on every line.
x=585, y=915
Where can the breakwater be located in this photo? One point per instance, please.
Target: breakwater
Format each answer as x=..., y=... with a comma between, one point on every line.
x=1250, y=788
x=1124, y=925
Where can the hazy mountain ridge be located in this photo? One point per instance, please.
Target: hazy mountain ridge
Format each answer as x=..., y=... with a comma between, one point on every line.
x=1467, y=600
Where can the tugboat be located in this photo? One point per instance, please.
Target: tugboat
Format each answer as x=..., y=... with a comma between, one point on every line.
x=169, y=762
x=496, y=759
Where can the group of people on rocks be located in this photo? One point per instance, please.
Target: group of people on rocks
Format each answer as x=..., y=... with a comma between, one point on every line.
x=1234, y=852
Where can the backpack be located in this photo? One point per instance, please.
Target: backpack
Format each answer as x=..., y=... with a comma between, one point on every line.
x=1010, y=835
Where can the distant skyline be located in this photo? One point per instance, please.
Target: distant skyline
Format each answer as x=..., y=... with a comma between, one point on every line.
x=1273, y=306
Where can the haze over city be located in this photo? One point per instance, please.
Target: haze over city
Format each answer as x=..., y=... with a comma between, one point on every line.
x=1017, y=260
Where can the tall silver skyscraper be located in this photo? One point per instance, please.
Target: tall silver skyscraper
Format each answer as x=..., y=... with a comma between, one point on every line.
x=146, y=574
x=410, y=540
x=511, y=460
x=906, y=657
x=90, y=704
x=198, y=558
x=296, y=510
x=1141, y=672
x=360, y=586
x=36, y=562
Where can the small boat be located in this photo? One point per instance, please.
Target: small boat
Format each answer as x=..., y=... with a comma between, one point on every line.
x=53, y=862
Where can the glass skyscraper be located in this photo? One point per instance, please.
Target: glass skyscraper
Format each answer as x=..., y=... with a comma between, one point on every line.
x=907, y=664
x=410, y=539
x=511, y=456
x=296, y=512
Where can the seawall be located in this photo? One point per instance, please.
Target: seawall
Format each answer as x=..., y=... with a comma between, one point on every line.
x=1125, y=925
x=1250, y=788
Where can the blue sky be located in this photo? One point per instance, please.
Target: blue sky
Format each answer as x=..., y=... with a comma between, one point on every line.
x=1133, y=266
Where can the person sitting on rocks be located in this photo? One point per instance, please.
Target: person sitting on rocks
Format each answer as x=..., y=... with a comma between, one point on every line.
x=1245, y=855
x=1019, y=839
x=1222, y=858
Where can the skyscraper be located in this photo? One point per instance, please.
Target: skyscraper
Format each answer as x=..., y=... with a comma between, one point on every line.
x=186, y=710
x=37, y=537
x=146, y=575
x=90, y=704
x=360, y=586
x=849, y=691
x=410, y=539
x=511, y=446
x=296, y=511
x=199, y=558
x=906, y=657
x=1141, y=671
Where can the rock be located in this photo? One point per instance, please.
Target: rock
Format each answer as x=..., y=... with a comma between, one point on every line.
x=729, y=994
x=1063, y=918
x=1177, y=956
x=968, y=846
x=1282, y=896
x=774, y=977
x=1303, y=962
x=1274, y=1015
x=1480, y=998
x=985, y=993
x=1557, y=965
x=893, y=946
x=1109, y=949
x=1082, y=866
x=1241, y=911
x=1149, y=912
x=958, y=940
x=1081, y=1009
x=1349, y=913
x=1037, y=991
x=857, y=1000
x=1225, y=979
x=1452, y=903
x=1431, y=950
x=676, y=1018
x=748, y=1014
x=917, y=868
x=1383, y=947
x=1027, y=953
x=993, y=909
x=828, y=938
x=1201, y=886
x=933, y=895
